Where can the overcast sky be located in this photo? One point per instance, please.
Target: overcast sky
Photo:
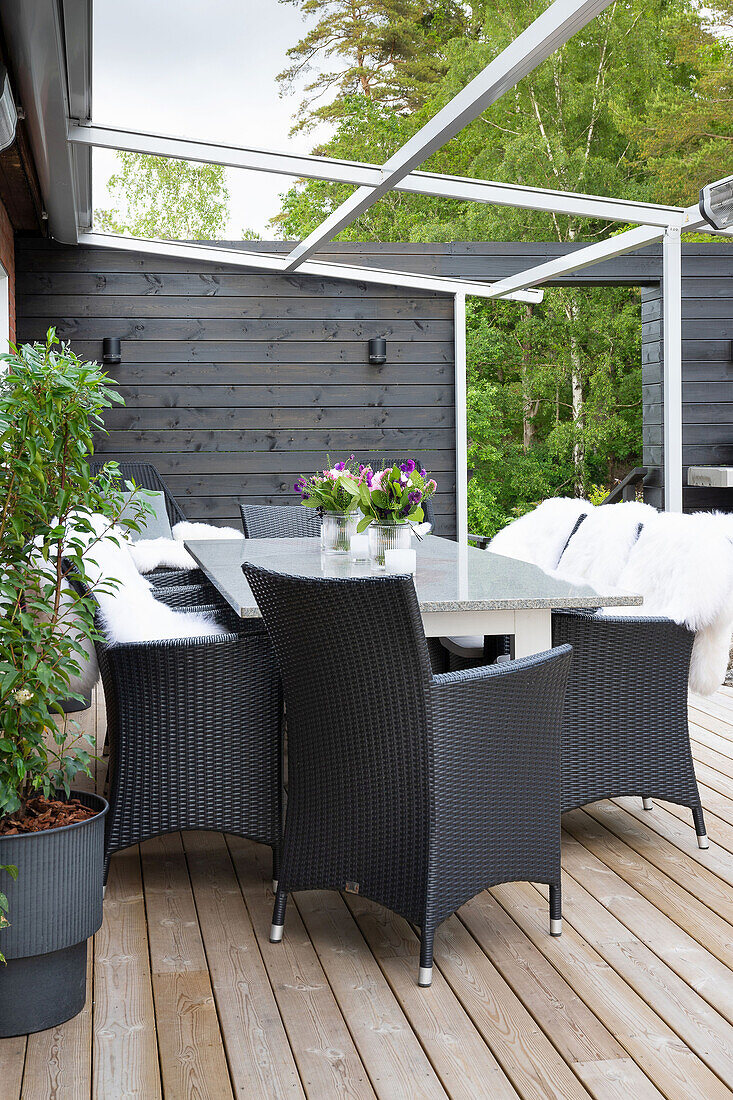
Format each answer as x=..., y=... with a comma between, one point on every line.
x=200, y=69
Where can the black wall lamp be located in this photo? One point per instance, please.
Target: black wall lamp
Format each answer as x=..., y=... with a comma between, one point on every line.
x=111, y=350
x=377, y=351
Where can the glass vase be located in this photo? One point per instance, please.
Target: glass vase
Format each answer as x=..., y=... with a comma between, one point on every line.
x=383, y=536
x=337, y=530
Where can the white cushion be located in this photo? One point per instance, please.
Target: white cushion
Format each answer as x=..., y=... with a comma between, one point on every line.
x=149, y=554
x=468, y=646
x=600, y=548
x=539, y=537
x=185, y=530
x=108, y=556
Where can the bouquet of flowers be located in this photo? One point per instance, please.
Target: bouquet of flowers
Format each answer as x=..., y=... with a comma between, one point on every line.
x=335, y=490
x=394, y=495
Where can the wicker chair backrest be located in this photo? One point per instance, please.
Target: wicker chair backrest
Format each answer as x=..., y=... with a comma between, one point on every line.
x=356, y=676
x=279, y=521
x=145, y=475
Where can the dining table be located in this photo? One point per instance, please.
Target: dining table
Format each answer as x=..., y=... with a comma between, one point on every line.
x=461, y=590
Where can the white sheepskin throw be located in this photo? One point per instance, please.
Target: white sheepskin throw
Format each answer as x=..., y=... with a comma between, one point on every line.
x=683, y=567
x=540, y=536
x=600, y=548
x=185, y=530
x=108, y=557
x=149, y=554
x=138, y=617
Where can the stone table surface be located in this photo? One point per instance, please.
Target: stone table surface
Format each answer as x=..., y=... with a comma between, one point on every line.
x=449, y=578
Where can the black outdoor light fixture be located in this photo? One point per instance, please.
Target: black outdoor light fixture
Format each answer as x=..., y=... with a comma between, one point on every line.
x=716, y=203
x=377, y=351
x=111, y=350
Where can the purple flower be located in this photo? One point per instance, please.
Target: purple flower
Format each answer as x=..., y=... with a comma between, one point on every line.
x=415, y=498
x=410, y=466
x=423, y=473
x=340, y=466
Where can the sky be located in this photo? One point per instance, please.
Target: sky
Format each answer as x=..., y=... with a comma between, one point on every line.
x=200, y=69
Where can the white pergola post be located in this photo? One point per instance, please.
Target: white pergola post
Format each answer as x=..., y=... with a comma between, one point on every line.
x=461, y=413
x=672, y=336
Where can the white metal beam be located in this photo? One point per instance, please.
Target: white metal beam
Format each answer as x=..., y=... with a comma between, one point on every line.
x=265, y=261
x=461, y=414
x=308, y=166
x=576, y=261
x=546, y=34
x=672, y=334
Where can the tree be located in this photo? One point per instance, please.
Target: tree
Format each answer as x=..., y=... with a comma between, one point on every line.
x=160, y=197
x=388, y=50
x=554, y=400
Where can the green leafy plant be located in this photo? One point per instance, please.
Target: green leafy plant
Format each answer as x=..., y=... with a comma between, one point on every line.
x=334, y=490
x=394, y=495
x=51, y=404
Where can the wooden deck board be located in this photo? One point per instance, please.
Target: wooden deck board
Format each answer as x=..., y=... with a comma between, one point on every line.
x=189, y=999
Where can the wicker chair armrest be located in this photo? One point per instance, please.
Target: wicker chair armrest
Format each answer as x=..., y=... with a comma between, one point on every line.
x=467, y=678
x=166, y=578
x=625, y=664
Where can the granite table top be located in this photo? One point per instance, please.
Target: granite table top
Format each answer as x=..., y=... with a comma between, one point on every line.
x=449, y=577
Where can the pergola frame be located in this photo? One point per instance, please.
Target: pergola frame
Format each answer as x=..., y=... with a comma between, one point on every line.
x=550, y=31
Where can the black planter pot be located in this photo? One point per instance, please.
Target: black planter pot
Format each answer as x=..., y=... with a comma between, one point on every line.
x=54, y=907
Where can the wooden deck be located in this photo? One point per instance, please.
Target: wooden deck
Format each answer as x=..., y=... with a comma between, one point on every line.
x=188, y=999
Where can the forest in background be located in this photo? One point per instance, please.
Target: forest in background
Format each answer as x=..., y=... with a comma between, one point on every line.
x=638, y=105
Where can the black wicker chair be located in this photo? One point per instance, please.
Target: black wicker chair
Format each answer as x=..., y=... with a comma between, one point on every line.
x=146, y=476
x=417, y=791
x=625, y=728
x=279, y=521
x=194, y=730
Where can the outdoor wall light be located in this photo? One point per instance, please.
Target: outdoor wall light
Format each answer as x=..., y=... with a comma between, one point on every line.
x=111, y=350
x=377, y=351
x=716, y=203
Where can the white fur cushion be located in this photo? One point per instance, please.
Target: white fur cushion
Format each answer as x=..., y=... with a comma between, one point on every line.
x=109, y=558
x=600, y=548
x=185, y=530
x=540, y=536
x=149, y=554
x=139, y=617
x=683, y=567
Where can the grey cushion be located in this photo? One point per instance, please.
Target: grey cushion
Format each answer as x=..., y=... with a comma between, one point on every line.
x=154, y=525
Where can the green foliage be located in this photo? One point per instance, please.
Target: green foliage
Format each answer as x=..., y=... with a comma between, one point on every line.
x=637, y=105
x=395, y=494
x=51, y=403
x=159, y=197
x=388, y=50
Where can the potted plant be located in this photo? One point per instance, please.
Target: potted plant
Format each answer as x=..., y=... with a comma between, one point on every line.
x=51, y=837
x=335, y=493
x=391, y=502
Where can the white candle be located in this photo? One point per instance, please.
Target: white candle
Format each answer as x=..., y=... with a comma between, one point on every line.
x=400, y=561
x=360, y=547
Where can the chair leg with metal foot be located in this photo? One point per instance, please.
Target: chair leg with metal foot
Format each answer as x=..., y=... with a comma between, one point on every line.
x=425, y=977
x=647, y=803
x=278, y=917
x=275, y=868
x=699, y=819
x=555, y=910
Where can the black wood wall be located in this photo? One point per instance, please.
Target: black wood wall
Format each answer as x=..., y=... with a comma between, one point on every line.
x=707, y=374
x=236, y=383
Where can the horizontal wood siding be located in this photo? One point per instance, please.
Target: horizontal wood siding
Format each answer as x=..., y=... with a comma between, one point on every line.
x=235, y=383
x=707, y=375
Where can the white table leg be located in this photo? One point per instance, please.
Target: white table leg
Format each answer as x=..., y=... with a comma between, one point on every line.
x=532, y=631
